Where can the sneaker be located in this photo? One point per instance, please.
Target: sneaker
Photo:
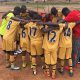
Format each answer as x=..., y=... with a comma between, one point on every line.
x=31, y=66
x=13, y=67
x=34, y=71
x=19, y=51
x=43, y=67
x=60, y=71
x=15, y=53
x=71, y=74
x=24, y=64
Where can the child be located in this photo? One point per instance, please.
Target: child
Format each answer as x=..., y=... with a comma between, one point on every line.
x=50, y=46
x=65, y=47
x=24, y=39
x=9, y=40
x=36, y=41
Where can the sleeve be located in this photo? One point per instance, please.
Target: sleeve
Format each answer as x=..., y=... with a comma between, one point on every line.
x=69, y=19
x=18, y=23
x=43, y=27
x=71, y=25
x=40, y=27
x=26, y=25
x=9, y=16
x=62, y=25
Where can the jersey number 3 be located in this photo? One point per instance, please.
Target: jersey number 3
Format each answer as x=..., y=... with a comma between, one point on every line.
x=9, y=24
x=51, y=39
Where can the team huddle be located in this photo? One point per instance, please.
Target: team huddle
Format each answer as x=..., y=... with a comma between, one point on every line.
x=49, y=37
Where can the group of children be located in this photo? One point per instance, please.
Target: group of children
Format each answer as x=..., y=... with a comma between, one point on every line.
x=46, y=37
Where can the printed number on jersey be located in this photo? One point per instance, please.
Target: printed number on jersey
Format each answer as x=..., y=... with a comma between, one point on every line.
x=33, y=31
x=23, y=33
x=67, y=32
x=52, y=36
x=9, y=24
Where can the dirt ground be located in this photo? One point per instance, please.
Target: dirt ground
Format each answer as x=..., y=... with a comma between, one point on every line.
x=26, y=74
x=46, y=8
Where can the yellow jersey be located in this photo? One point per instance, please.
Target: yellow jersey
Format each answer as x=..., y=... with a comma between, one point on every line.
x=51, y=39
x=24, y=39
x=4, y=23
x=54, y=19
x=66, y=36
x=34, y=31
x=11, y=30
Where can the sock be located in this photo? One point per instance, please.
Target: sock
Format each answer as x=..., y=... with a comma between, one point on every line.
x=53, y=69
x=33, y=61
x=70, y=65
x=62, y=64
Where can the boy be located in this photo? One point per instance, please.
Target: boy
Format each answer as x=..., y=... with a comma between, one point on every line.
x=36, y=40
x=49, y=51
x=54, y=14
x=5, y=19
x=9, y=40
x=24, y=39
x=65, y=47
x=50, y=46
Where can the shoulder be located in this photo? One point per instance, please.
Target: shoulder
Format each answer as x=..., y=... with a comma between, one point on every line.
x=10, y=14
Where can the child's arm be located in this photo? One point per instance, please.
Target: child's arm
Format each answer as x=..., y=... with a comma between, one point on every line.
x=49, y=28
x=49, y=24
x=44, y=30
x=24, y=20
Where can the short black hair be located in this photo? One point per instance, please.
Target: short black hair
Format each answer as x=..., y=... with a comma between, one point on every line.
x=54, y=11
x=31, y=13
x=17, y=10
x=23, y=9
x=35, y=15
x=65, y=11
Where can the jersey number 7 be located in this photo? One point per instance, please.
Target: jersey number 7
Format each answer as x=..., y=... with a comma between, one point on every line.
x=33, y=31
